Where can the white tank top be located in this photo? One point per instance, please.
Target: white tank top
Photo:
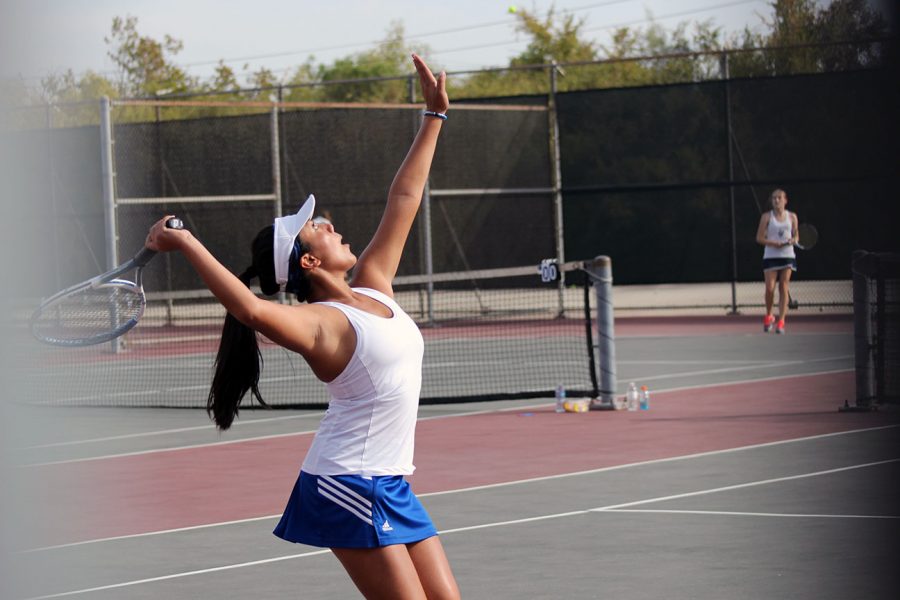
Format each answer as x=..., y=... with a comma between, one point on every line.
x=369, y=427
x=782, y=231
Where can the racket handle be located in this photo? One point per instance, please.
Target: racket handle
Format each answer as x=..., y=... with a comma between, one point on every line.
x=145, y=254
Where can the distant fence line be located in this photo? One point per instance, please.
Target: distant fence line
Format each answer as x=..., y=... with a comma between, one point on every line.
x=669, y=180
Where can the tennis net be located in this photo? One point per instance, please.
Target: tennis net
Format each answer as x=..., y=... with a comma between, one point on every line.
x=489, y=335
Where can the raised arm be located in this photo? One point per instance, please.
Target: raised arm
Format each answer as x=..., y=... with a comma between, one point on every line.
x=378, y=263
x=292, y=327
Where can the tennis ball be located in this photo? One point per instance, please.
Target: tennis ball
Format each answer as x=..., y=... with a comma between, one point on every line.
x=512, y=9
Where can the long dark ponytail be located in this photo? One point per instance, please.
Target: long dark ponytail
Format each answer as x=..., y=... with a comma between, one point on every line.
x=239, y=362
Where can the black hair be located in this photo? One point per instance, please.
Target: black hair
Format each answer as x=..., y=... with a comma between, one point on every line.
x=239, y=361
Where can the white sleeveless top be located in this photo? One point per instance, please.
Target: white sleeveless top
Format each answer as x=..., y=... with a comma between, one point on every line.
x=779, y=230
x=369, y=427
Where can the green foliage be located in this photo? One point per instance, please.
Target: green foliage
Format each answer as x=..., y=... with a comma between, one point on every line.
x=798, y=22
x=389, y=59
x=145, y=67
x=561, y=39
x=552, y=41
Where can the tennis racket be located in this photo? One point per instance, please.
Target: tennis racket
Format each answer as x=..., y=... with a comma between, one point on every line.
x=807, y=236
x=97, y=310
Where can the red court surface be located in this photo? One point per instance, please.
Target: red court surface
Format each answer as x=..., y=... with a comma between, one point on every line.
x=170, y=489
x=727, y=325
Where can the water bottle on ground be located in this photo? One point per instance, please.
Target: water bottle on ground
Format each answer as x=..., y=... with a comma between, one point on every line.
x=645, y=398
x=632, y=397
x=560, y=399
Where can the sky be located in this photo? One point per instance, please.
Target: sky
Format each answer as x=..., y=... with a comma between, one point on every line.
x=42, y=37
x=51, y=36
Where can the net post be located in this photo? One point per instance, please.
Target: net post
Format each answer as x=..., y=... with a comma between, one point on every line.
x=862, y=331
x=109, y=195
x=600, y=271
x=556, y=178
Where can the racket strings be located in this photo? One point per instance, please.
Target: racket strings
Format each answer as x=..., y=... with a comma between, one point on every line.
x=807, y=236
x=89, y=313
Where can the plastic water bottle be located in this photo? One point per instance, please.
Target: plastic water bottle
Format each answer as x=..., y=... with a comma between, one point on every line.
x=645, y=398
x=632, y=397
x=560, y=399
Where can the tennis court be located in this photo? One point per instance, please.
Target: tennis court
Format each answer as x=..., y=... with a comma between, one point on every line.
x=742, y=481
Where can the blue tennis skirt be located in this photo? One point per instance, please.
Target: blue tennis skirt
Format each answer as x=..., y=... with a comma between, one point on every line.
x=777, y=264
x=351, y=511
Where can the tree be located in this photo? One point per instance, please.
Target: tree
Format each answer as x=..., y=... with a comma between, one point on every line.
x=838, y=37
x=262, y=81
x=145, y=68
x=223, y=79
x=389, y=59
x=555, y=38
x=57, y=89
x=551, y=40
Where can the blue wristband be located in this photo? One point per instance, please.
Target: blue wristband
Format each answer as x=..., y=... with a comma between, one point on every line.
x=431, y=113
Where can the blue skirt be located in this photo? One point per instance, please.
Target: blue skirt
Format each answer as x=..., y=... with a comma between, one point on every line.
x=351, y=511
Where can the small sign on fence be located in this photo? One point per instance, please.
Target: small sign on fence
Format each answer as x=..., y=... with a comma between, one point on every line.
x=549, y=269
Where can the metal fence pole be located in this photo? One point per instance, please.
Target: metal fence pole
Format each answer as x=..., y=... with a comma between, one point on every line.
x=734, y=260
x=161, y=157
x=108, y=187
x=276, y=172
x=556, y=178
x=51, y=188
x=600, y=272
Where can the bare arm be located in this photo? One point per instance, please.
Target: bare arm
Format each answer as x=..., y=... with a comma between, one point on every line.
x=761, y=230
x=293, y=327
x=379, y=261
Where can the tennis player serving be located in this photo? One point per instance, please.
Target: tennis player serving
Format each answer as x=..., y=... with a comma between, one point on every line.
x=777, y=231
x=351, y=495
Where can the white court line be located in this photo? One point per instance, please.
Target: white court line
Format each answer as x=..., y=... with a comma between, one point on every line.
x=746, y=485
x=794, y=334
x=160, y=450
x=728, y=513
x=599, y=509
x=712, y=361
x=177, y=575
x=126, y=436
x=784, y=363
x=483, y=487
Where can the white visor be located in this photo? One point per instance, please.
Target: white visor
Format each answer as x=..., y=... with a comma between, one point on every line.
x=286, y=231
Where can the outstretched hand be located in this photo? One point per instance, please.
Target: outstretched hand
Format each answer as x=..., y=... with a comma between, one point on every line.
x=163, y=239
x=434, y=89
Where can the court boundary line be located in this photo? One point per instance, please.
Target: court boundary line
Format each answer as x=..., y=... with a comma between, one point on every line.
x=597, y=510
x=727, y=513
x=477, y=412
x=179, y=575
x=768, y=365
x=478, y=488
x=126, y=436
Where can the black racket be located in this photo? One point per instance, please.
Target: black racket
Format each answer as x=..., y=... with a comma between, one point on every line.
x=97, y=310
x=807, y=236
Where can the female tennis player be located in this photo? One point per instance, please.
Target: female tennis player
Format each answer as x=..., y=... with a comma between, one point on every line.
x=778, y=233
x=351, y=495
